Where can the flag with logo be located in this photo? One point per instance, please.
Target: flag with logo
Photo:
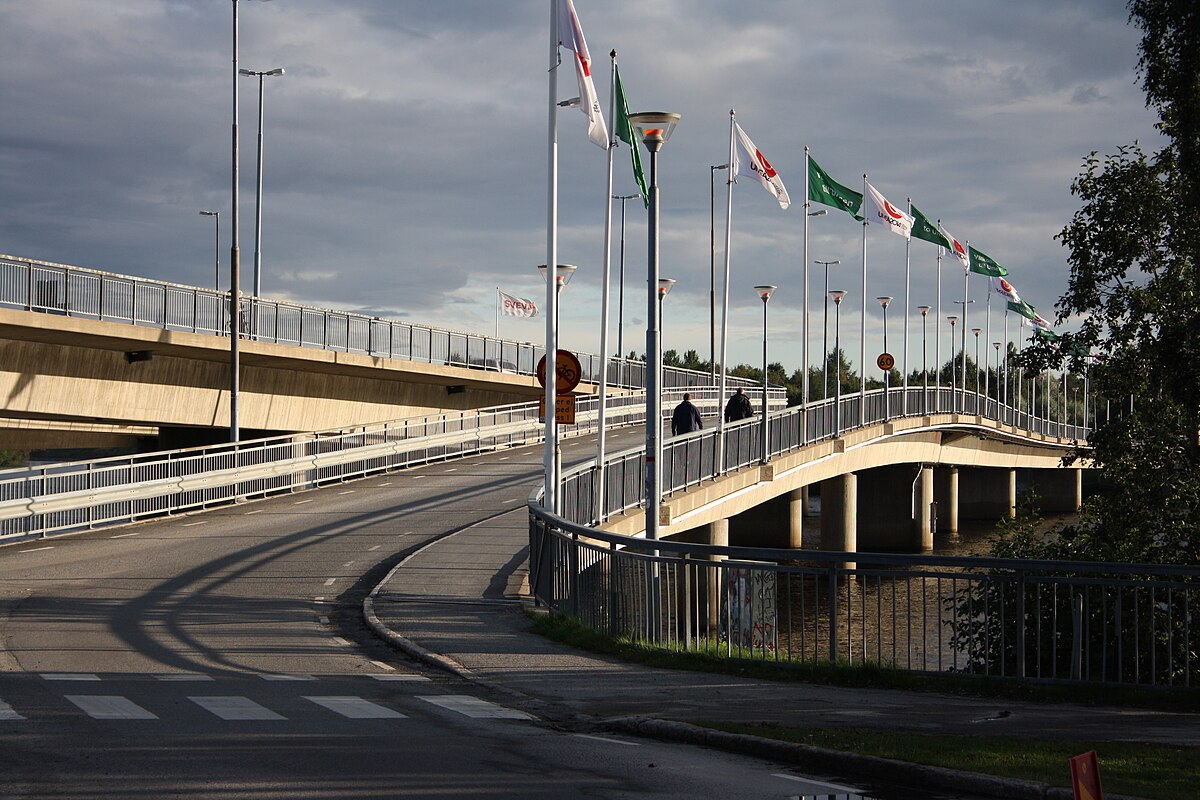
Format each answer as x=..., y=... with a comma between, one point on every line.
x=1024, y=309
x=880, y=210
x=983, y=264
x=825, y=190
x=570, y=35
x=1005, y=289
x=924, y=229
x=957, y=249
x=747, y=156
x=628, y=135
x=512, y=306
x=1042, y=324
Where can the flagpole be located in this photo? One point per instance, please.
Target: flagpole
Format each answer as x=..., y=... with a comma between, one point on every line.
x=497, y=312
x=725, y=301
x=987, y=342
x=601, y=415
x=937, y=334
x=804, y=358
x=549, y=460
x=862, y=339
x=907, y=279
x=963, y=384
x=1005, y=392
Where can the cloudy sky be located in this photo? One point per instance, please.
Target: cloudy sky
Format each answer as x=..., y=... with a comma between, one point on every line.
x=406, y=146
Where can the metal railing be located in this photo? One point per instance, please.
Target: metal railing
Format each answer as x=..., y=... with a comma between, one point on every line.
x=49, y=288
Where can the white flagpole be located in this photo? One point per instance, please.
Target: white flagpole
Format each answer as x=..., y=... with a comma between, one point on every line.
x=804, y=364
x=601, y=416
x=1005, y=358
x=497, y=312
x=937, y=334
x=907, y=280
x=987, y=342
x=862, y=339
x=725, y=302
x=549, y=459
x=963, y=384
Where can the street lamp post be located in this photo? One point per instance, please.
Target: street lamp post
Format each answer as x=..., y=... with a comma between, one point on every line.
x=924, y=363
x=654, y=128
x=621, y=284
x=885, y=301
x=996, y=347
x=562, y=276
x=216, y=215
x=963, y=406
x=976, y=331
x=953, y=387
x=837, y=295
x=664, y=289
x=825, y=323
x=259, y=181
x=764, y=292
x=712, y=270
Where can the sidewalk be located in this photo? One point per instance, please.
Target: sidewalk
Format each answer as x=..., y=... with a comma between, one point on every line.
x=457, y=603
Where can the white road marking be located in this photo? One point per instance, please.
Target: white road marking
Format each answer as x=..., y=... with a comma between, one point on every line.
x=325, y=620
x=6, y=711
x=401, y=677
x=606, y=739
x=193, y=524
x=184, y=676
x=473, y=707
x=287, y=677
x=452, y=469
x=126, y=535
x=373, y=549
x=109, y=707
x=69, y=676
x=415, y=477
x=349, y=491
x=837, y=788
x=256, y=511
x=235, y=708
x=356, y=708
x=381, y=485
x=382, y=665
x=319, y=599
x=331, y=581
x=51, y=547
x=347, y=564
x=340, y=641
x=505, y=458
x=302, y=502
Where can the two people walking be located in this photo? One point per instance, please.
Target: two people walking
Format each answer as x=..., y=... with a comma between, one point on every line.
x=686, y=418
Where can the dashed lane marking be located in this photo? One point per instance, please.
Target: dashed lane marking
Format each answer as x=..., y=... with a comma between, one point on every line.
x=183, y=676
x=51, y=547
x=69, y=676
x=194, y=524
x=287, y=677
x=235, y=708
x=323, y=620
x=6, y=712
x=606, y=739
x=373, y=549
x=473, y=707
x=126, y=535
x=382, y=665
x=356, y=708
x=302, y=502
x=400, y=677
x=331, y=581
x=255, y=511
x=109, y=707
x=349, y=491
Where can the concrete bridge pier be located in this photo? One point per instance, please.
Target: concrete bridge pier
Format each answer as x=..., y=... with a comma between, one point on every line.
x=923, y=513
x=797, y=510
x=718, y=535
x=1012, y=494
x=945, y=494
x=839, y=514
x=1059, y=490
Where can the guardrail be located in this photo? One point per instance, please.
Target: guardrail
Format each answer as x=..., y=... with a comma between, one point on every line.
x=49, y=288
x=61, y=498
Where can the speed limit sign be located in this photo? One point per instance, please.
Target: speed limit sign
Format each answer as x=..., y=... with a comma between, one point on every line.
x=885, y=362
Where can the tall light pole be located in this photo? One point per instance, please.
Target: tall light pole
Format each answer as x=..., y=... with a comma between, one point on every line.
x=963, y=407
x=621, y=283
x=885, y=301
x=764, y=292
x=562, y=276
x=924, y=363
x=654, y=128
x=217, y=249
x=825, y=324
x=712, y=271
x=664, y=289
x=953, y=387
x=996, y=346
x=976, y=331
x=837, y=295
x=258, y=194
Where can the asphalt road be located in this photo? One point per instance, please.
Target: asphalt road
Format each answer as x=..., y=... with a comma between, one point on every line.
x=222, y=655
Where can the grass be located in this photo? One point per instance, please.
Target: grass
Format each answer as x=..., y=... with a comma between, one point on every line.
x=570, y=632
x=1155, y=771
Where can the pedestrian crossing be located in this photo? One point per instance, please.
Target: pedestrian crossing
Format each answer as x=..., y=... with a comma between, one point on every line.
x=277, y=698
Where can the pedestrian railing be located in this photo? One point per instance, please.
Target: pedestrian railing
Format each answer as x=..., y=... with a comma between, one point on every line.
x=49, y=288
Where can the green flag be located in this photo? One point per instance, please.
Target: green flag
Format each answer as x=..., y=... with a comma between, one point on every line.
x=924, y=229
x=627, y=135
x=1046, y=334
x=824, y=189
x=1024, y=309
x=983, y=264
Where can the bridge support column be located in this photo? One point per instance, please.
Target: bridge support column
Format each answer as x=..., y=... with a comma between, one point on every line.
x=797, y=509
x=718, y=534
x=1058, y=490
x=839, y=513
x=1012, y=494
x=923, y=513
x=952, y=501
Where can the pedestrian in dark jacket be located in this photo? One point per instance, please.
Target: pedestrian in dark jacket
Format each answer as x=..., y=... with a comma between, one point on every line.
x=686, y=418
x=738, y=407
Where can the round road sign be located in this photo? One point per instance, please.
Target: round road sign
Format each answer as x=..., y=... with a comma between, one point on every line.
x=569, y=370
x=885, y=362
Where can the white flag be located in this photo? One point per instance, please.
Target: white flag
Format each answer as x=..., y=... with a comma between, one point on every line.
x=1041, y=324
x=764, y=173
x=880, y=210
x=570, y=35
x=517, y=306
x=956, y=247
x=1006, y=290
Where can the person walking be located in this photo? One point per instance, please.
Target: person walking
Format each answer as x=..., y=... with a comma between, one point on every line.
x=738, y=407
x=685, y=418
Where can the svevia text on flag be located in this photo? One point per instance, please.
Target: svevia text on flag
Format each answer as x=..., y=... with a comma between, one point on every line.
x=517, y=306
x=825, y=190
x=879, y=210
x=628, y=135
x=758, y=165
x=570, y=35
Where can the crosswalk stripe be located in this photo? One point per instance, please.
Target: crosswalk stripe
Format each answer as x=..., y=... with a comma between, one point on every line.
x=69, y=676
x=287, y=677
x=6, y=712
x=401, y=677
x=356, y=708
x=183, y=676
x=235, y=708
x=474, y=707
x=109, y=707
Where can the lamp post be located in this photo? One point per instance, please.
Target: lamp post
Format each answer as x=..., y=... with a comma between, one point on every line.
x=825, y=322
x=712, y=270
x=963, y=406
x=953, y=388
x=764, y=292
x=621, y=283
x=837, y=295
x=216, y=215
x=562, y=276
x=885, y=301
x=259, y=182
x=976, y=331
x=654, y=128
x=664, y=289
x=924, y=363
x=996, y=347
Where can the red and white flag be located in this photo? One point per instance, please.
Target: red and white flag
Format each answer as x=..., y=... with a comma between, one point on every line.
x=570, y=35
x=757, y=163
x=1041, y=324
x=517, y=306
x=880, y=210
x=956, y=247
x=1006, y=290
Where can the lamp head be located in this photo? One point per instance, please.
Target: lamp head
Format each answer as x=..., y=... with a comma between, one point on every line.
x=765, y=291
x=923, y=309
x=563, y=274
x=654, y=127
x=953, y=319
x=664, y=287
x=976, y=331
x=820, y=212
x=884, y=300
x=837, y=295
x=210, y=213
